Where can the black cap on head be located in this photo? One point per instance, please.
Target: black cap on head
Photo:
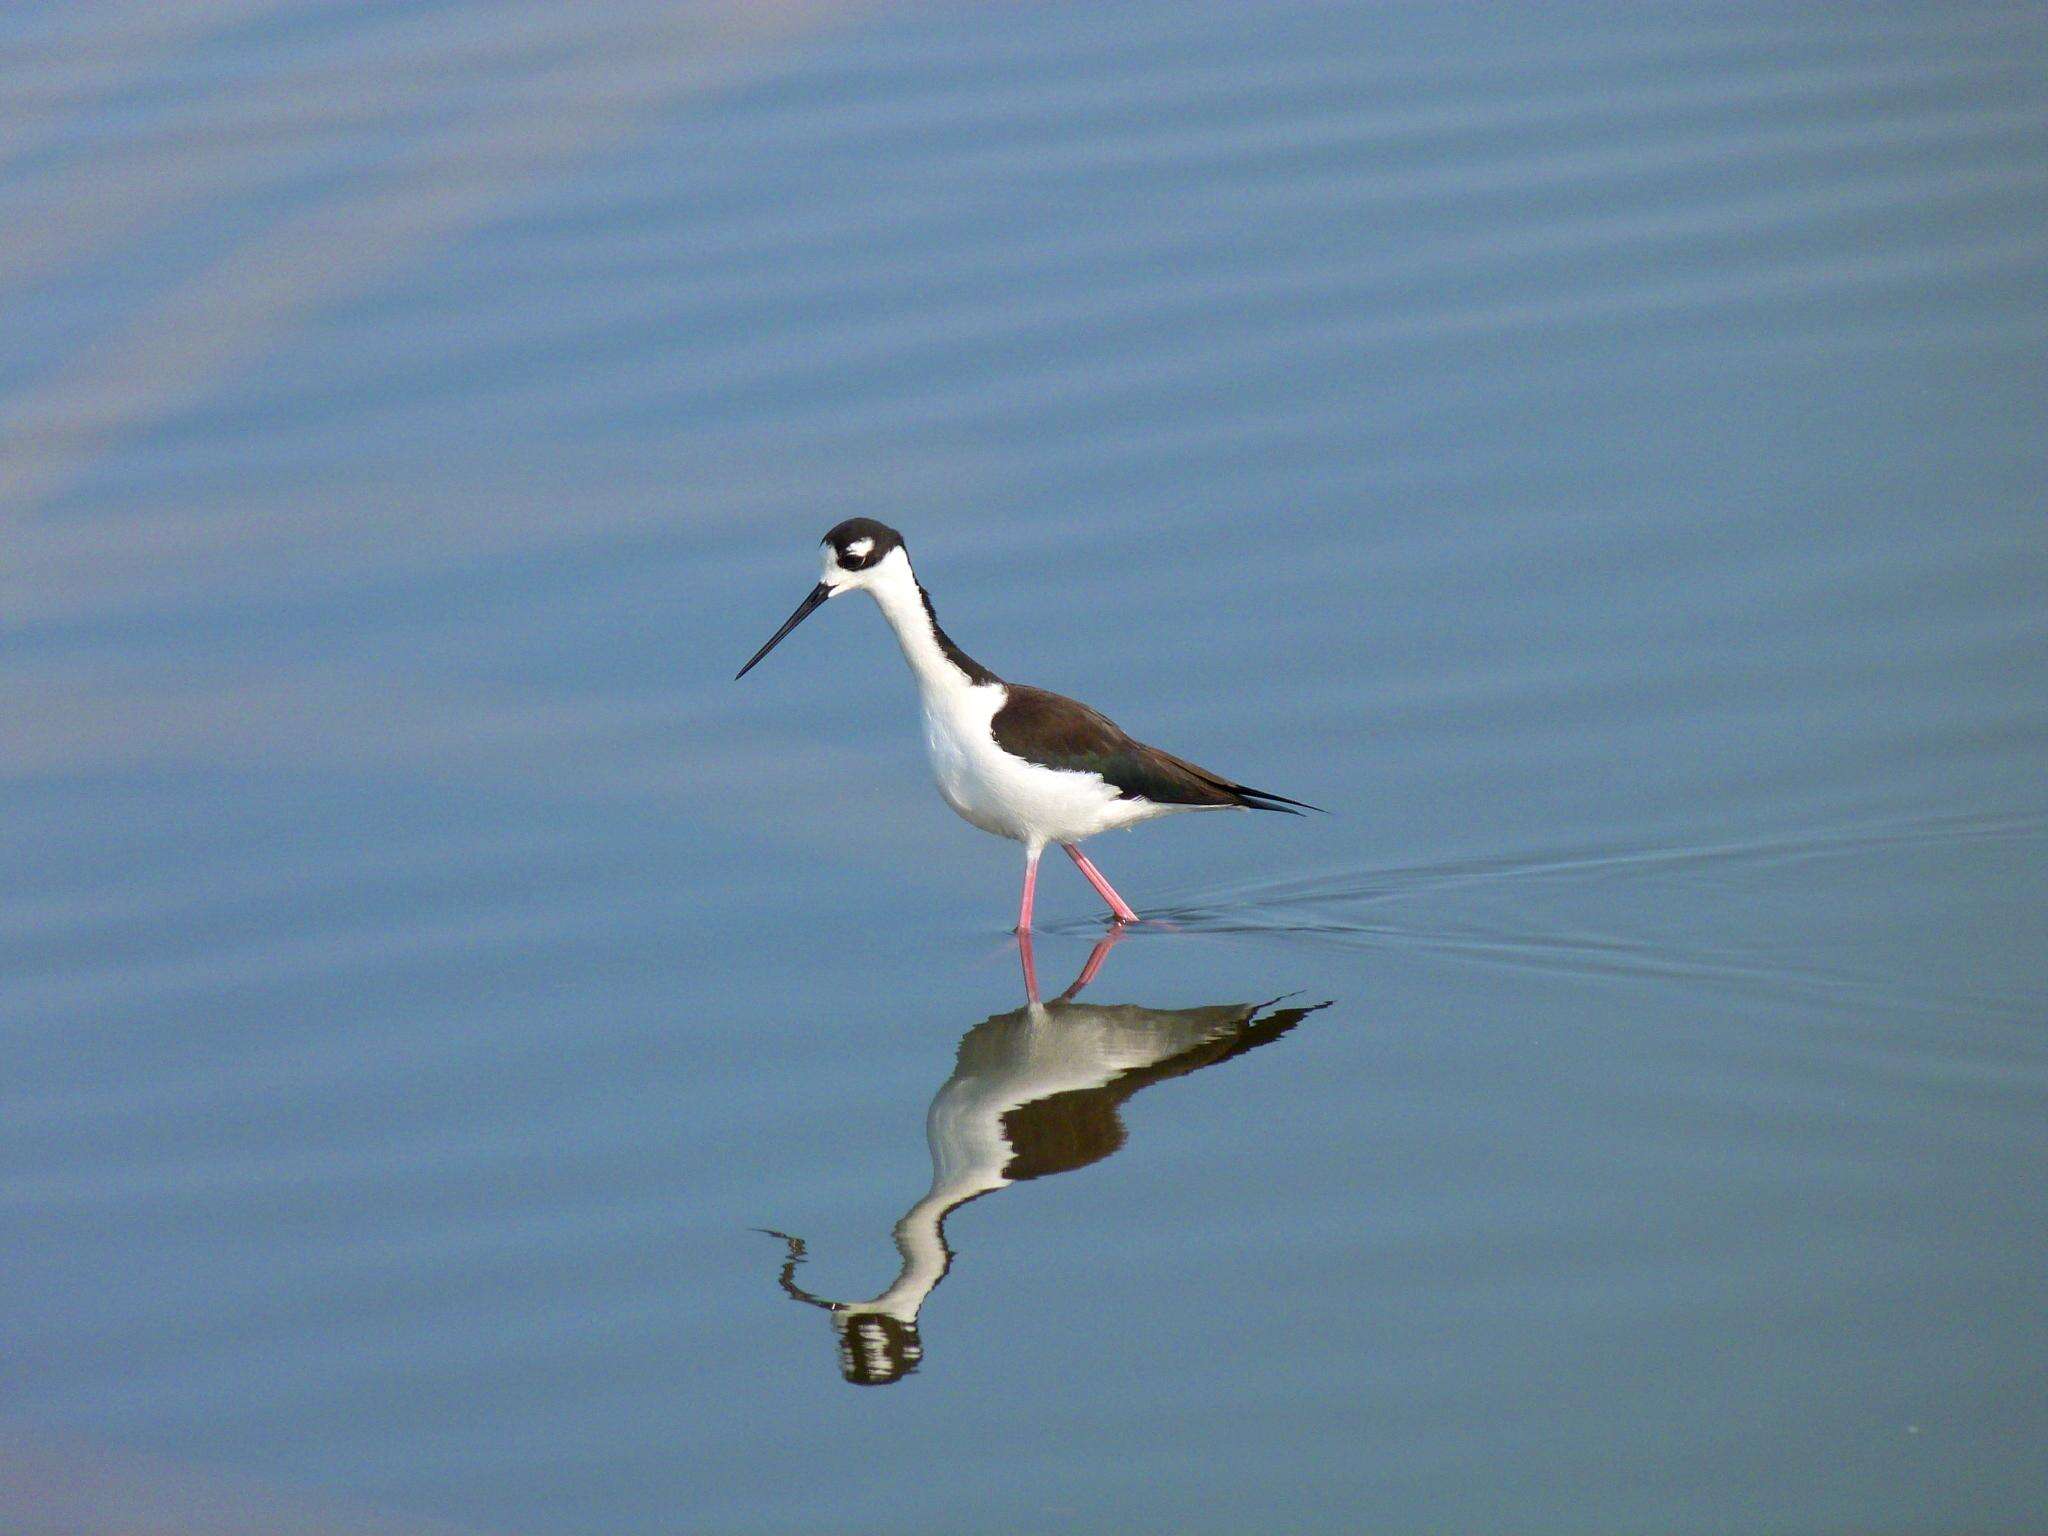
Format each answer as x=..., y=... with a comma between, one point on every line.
x=859, y=542
x=876, y=1349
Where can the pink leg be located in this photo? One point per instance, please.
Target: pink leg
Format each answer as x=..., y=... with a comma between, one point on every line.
x=1117, y=904
x=1030, y=889
x=1096, y=956
x=1030, y=970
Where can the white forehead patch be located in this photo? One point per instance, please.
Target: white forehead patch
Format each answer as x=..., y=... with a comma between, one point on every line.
x=860, y=547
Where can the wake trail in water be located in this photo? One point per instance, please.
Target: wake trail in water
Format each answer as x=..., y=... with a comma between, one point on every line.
x=1725, y=914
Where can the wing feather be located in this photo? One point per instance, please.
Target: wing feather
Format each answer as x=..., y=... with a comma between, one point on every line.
x=1064, y=733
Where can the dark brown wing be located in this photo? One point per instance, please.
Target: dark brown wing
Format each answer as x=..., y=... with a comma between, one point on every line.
x=1081, y=1125
x=1059, y=732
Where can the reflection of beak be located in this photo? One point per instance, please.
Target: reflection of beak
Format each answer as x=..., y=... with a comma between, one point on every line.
x=803, y=611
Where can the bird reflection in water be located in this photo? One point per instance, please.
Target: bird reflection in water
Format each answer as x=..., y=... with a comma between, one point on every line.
x=1035, y=1091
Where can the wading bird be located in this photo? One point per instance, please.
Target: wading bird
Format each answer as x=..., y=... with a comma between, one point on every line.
x=1016, y=761
x=1036, y=1091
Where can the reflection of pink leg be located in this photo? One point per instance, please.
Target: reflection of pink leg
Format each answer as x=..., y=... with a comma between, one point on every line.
x=1030, y=888
x=1096, y=956
x=1117, y=904
x=1030, y=970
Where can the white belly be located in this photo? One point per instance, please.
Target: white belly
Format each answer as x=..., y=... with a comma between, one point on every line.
x=1007, y=795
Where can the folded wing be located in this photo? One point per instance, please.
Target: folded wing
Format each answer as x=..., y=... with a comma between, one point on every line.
x=1059, y=732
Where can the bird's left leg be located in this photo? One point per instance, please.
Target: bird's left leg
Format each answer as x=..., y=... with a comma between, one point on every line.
x=1030, y=967
x=1030, y=887
x=1096, y=956
x=1103, y=888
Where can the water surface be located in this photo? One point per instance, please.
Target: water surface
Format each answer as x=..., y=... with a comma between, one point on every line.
x=1595, y=451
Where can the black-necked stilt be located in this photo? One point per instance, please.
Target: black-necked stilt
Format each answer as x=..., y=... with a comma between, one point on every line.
x=1016, y=761
x=1035, y=1091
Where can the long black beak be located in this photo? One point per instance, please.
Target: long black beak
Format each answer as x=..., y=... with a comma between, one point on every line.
x=803, y=611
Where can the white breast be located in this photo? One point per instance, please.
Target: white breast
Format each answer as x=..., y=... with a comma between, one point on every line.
x=1007, y=795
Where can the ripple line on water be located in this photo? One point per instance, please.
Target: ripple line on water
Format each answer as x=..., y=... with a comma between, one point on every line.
x=1370, y=908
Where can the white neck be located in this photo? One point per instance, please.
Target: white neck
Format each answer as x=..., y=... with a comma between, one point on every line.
x=921, y=1240
x=893, y=585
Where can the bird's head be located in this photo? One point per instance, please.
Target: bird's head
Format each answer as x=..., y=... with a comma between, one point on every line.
x=859, y=554
x=877, y=1348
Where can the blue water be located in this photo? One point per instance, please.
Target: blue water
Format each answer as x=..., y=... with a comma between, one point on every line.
x=1596, y=451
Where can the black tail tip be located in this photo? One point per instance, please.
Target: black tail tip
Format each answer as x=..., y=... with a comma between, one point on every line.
x=1259, y=800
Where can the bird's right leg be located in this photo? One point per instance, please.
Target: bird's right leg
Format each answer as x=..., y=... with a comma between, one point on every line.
x=1030, y=887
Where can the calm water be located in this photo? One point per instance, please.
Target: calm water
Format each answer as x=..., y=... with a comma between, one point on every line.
x=1596, y=451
